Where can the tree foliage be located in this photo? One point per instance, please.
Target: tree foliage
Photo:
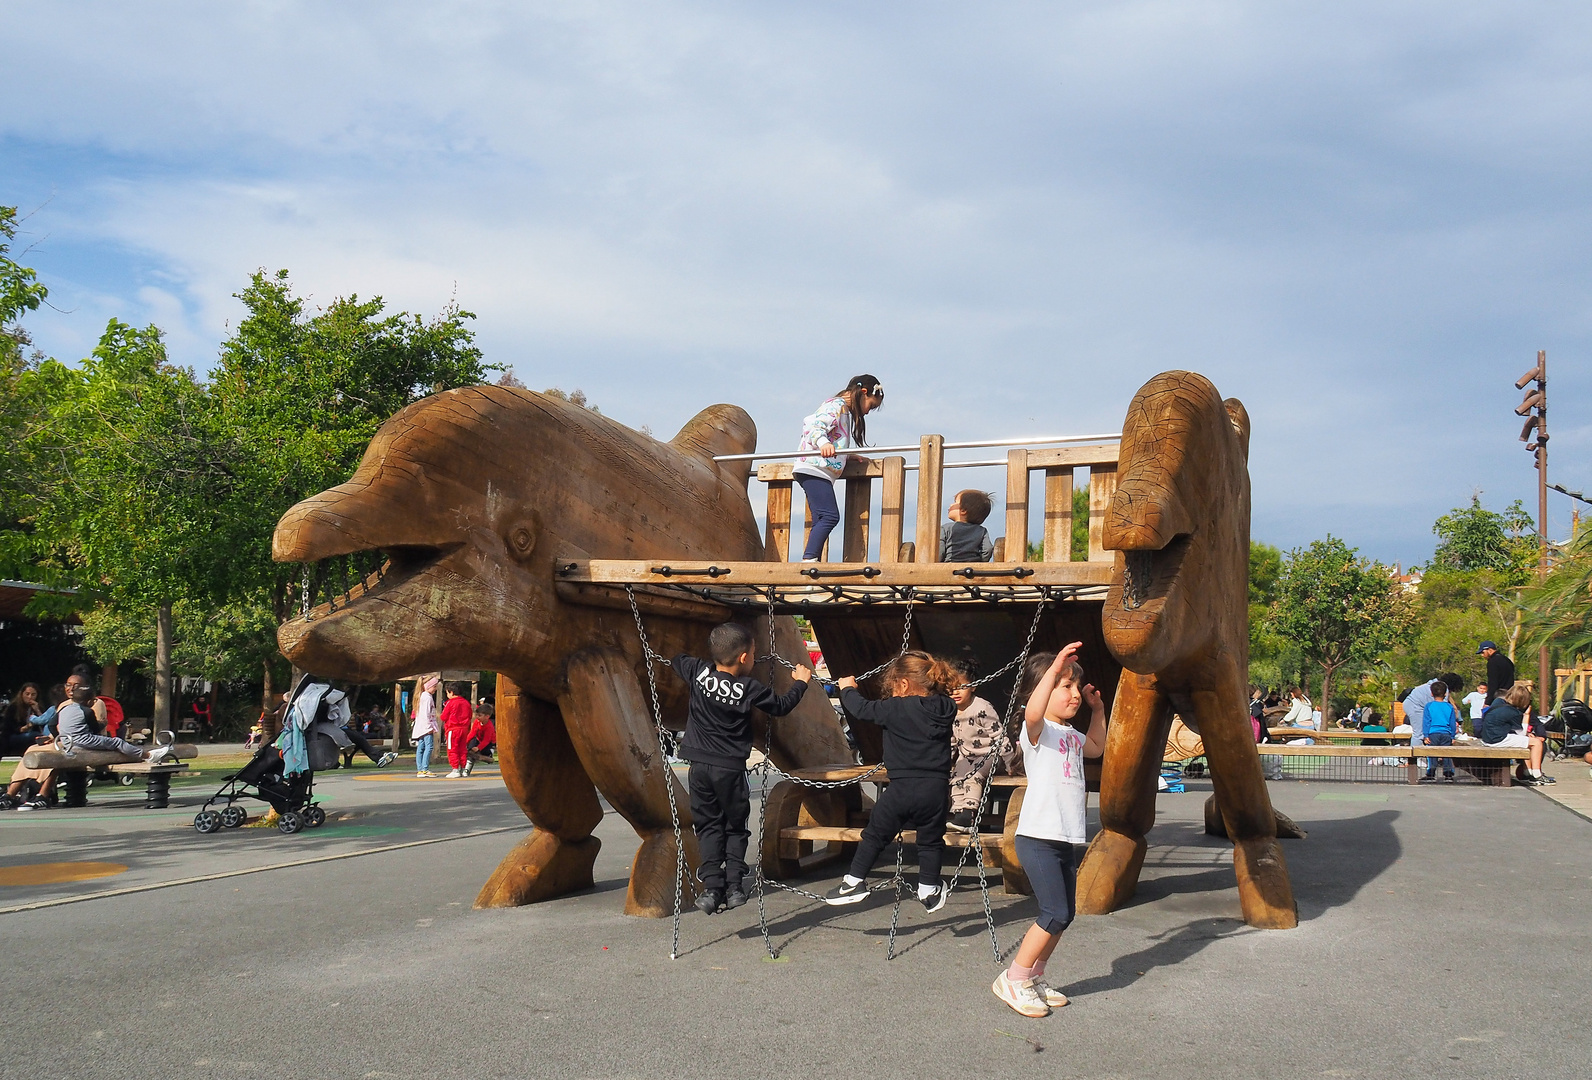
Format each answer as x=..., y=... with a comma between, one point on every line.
x=1558, y=611
x=1338, y=608
x=1474, y=538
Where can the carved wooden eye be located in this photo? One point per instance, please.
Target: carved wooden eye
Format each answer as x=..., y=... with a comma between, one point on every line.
x=523, y=540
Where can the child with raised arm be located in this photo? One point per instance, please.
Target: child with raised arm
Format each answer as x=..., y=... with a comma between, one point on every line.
x=718, y=740
x=916, y=715
x=1051, y=828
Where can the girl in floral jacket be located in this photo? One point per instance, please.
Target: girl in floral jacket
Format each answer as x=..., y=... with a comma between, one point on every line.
x=838, y=425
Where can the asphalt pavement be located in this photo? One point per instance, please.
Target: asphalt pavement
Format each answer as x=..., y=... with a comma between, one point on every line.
x=1442, y=933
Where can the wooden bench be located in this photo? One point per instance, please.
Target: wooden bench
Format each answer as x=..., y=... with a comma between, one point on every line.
x=75, y=770
x=799, y=818
x=1489, y=764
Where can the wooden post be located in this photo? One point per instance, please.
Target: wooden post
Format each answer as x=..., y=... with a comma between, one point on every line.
x=1016, y=507
x=1102, y=485
x=892, y=504
x=859, y=499
x=1058, y=515
x=396, y=743
x=931, y=484
x=776, y=536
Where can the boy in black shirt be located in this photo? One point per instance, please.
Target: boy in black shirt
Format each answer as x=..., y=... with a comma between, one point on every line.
x=718, y=739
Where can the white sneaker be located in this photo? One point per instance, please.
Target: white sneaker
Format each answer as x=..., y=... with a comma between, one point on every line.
x=1021, y=996
x=386, y=759
x=468, y=769
x=158, y=754
x=454, y=775
x=1053, y=997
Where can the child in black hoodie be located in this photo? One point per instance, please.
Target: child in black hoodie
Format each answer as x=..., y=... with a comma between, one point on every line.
x=718, y=739
x=917, y=715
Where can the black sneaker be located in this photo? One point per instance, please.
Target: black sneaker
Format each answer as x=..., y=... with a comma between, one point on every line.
x=847, y=894
x=935, y=900
x=1429, y=778
x=1544, y=778
x=710, y=901
x=1448, y=778
x=734, y=897
x=961, y=821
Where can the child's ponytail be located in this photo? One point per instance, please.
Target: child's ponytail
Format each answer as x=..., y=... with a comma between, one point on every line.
x=928, y=674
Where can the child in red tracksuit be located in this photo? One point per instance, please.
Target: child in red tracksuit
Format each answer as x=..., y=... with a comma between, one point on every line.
x=456, y=728
x=481, y=738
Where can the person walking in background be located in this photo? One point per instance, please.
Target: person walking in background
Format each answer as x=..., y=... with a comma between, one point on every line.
x=456, y=728
x=1500, y=670
x=424, y=731
x=838, y=425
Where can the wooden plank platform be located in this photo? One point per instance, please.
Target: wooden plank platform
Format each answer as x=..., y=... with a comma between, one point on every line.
x=144, y=768
x=885, y=575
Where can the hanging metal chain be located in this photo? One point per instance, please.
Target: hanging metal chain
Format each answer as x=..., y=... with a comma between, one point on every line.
x=668, y=771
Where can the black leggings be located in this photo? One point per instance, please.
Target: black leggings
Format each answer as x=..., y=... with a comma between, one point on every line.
x=361, y=743
x=917, y=802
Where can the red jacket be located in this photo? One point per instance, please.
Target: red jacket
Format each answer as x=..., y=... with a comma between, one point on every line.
x=483, y=731
x=456, y=713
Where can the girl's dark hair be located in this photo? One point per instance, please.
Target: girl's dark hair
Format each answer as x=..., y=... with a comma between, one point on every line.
x=21, y=710
x=859, y=387
x=927, y=673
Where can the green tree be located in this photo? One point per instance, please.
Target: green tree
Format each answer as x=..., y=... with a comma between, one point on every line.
x=136, y=461
x=1273, y=661
x=1558, y=611
x=20, y=293
x=1338, y=609
x=1475, y=538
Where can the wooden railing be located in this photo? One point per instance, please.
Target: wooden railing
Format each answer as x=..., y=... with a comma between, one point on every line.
x=1057, y=463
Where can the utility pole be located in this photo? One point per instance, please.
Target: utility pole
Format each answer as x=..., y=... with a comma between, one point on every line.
x=1535, y=436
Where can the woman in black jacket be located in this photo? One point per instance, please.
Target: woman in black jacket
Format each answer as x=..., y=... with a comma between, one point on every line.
x=917, y=716
x=1503, y=724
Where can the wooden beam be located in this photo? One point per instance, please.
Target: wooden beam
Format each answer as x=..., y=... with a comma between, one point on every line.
x=1074, y=457
x=931, y=487
x=776, y=538
x=775, y=471
x=859, y=498
x=1016, y=507
x=1058, y=514
x=693, y=572
x=1102, y=485
x=892, y=504
x=669, y=604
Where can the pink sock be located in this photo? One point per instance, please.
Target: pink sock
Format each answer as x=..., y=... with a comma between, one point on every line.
x=1021, y=974
x=1038, y=970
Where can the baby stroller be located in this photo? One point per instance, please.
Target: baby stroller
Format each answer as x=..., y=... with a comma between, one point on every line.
x=284, y=774
x=263, y=778
x=1571, y=728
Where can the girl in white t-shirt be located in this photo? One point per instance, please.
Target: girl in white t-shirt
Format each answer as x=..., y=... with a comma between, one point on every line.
x=1051, y=827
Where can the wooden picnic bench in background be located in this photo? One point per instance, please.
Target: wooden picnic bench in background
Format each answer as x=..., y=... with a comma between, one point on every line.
x=75, y=770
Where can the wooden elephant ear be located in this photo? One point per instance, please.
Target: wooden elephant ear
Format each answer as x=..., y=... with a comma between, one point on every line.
x=716, y=430
x=1240, y=418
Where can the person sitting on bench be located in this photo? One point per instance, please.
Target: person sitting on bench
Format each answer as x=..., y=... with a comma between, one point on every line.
x=481, y=739
x=75, y=728
x=1503, y=725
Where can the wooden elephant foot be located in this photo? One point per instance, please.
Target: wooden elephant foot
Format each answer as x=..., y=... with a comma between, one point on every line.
x=1287, y=828
x=1110, y=872
x=1264, y=891
x=652, y=875
x=540, y=867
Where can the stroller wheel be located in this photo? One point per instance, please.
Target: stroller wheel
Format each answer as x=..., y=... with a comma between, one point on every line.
x=207, y=821
x=290, y=822
x=125, y=779
x=234, y=816
x=314, y=817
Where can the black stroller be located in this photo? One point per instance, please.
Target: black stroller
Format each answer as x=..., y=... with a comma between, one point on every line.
x=1571, y=728
x=262, y=779
x=317, y=710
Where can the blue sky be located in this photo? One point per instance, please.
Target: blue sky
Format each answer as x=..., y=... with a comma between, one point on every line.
x=1363, y=219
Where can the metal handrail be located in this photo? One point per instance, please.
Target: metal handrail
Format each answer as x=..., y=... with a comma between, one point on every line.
x=1114, y=436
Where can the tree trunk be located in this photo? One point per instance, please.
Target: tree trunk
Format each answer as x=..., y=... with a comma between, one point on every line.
x=268, y=696
x=1326, y=696
x=109, y=675
x=163, y=633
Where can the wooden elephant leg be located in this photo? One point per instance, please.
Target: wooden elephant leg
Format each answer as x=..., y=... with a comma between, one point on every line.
x=1264, y=890
x=1135, y=744
x=545, y=777
x=609, y=720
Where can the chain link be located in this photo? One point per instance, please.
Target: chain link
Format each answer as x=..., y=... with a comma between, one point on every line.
x=668, y=773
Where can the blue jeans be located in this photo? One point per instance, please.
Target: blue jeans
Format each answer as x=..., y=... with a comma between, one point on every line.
x=820, y=495
x=423, y=747
x=1440, y=738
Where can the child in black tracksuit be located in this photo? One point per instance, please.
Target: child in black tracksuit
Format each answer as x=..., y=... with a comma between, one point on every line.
x=917, y=717
x=718, y=738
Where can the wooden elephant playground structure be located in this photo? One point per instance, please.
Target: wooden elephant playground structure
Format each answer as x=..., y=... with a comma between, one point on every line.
x=522, y=534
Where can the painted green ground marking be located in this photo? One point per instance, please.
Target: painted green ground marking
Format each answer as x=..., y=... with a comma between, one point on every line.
x=354, y=830
x=1349, y=796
